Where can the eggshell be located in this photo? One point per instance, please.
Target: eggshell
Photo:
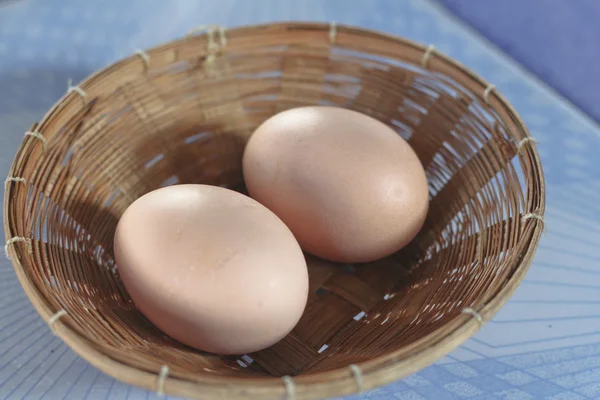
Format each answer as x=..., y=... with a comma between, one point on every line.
x=212, y=268
x=348, y=186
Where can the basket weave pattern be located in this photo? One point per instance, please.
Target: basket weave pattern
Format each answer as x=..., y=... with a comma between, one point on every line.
x=182, y=112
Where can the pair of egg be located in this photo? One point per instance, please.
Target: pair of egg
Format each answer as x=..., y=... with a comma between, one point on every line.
x=225, y=273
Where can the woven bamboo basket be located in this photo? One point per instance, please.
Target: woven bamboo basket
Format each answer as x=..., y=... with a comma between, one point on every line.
x=182, y=112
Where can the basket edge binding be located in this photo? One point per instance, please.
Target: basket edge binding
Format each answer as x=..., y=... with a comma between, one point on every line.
x=342, y=381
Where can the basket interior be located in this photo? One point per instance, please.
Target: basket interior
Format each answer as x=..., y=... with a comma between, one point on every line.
x=186, y=119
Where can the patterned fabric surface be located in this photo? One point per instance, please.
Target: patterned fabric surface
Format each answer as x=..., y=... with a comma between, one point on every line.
x=544, y=344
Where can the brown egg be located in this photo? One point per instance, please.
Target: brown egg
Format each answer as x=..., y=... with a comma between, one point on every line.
x=212, y=268
x=348, y=186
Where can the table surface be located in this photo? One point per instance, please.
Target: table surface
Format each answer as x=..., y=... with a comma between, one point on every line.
x=544, y=344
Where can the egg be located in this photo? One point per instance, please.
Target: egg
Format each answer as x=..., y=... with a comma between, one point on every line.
x=211, y=268
x=348, y=186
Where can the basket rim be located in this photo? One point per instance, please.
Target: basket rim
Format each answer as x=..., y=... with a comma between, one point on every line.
x=375, y=372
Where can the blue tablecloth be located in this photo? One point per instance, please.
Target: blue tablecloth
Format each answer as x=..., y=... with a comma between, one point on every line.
x=544, y=344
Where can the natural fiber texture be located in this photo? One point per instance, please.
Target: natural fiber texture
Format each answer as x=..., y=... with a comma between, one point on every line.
x=182, y=113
